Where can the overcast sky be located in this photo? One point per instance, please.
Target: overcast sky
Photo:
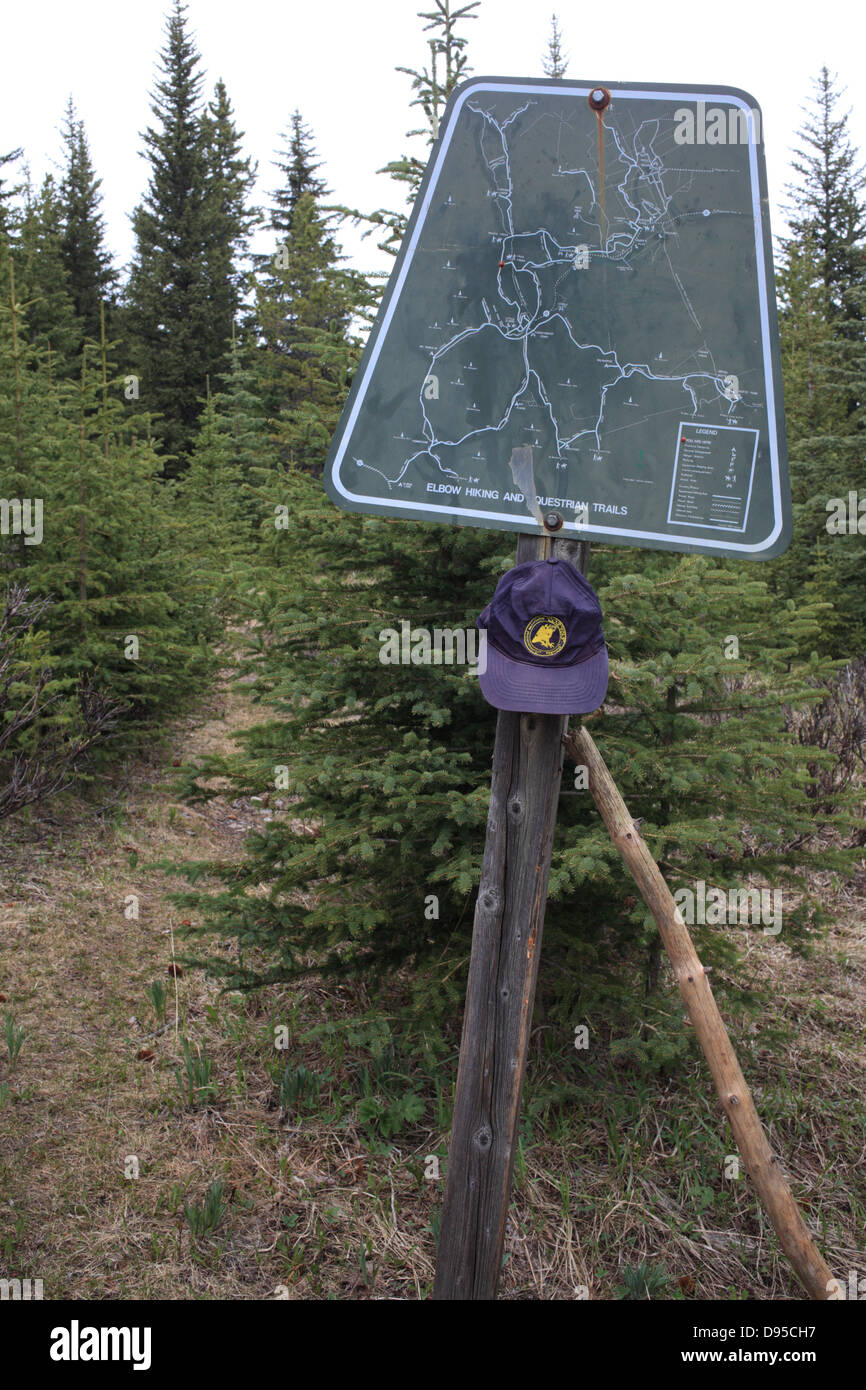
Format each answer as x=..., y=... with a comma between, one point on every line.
x=335, y=60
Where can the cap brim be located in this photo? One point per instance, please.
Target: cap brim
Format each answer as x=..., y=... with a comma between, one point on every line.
x=517, y=685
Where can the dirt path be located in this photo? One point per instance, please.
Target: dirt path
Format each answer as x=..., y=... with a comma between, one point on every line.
x=100, y=1152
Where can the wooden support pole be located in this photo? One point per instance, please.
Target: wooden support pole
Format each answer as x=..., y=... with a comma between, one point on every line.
x=500, y=993
x=712, y=1035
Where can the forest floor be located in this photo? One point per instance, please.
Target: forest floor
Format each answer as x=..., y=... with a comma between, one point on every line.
x=108, y=1157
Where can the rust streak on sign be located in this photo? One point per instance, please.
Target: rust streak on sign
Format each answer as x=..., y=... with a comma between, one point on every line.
x=600, y=120
x=599, y=100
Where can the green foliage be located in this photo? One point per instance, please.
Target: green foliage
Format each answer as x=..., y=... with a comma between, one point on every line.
x=205, y=1219
x=7, y=193
x=390, y=1116
x=118, y=615
x=307, y=313
x=822, y=293
x=111, y=562
x=90, y=276
x=157, y=994
x=663, y=1050
x=299, y=1089
x=166, y=288
x=828, y=203
x=555, y=61
x=184, y=287
x=298, y=165
x=229, y=179
x=195, y=1077
x=306, y=307
x=50, y=323
x=645, y=1280
x=433, y=86
x=44, y=734
x=391, y=1102
x=388, y=769
x=15, y=1037
x=211, y=498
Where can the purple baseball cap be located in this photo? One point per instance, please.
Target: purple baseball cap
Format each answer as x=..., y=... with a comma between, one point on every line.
x=545, y=647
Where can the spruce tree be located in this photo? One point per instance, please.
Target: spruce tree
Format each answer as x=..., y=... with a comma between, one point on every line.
x=120, y=620
x=821, y=447
x=213, y=498
x=384, y=769
x=828, y=203
x=242, y=411
x=7, y=193
x=305, y=309
x=169, y=318
x=298, y=164
x=42, y=278
x=29, y=427
x=116, y=610
x=228, y=219
x=187, y=280
x=822, y=292
x=92, y=279
x=555, y=62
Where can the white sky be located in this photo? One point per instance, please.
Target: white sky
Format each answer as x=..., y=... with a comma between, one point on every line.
x=335, y=60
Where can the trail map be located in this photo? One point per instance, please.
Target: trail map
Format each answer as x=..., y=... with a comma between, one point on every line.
x=587, y=271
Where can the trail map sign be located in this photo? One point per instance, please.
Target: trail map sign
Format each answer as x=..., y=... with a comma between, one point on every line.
x=578, y=342
x=587, y=270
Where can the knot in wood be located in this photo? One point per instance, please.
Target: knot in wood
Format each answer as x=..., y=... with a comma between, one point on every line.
x=483, y=1138
x=515, y=807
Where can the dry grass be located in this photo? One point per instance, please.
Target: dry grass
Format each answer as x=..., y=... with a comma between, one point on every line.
x=622, y=1172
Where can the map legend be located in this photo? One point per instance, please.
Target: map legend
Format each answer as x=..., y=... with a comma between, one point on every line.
x=713, y=470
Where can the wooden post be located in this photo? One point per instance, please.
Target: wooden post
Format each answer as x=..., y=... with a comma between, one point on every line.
x=758, y=1157
x=500, y=993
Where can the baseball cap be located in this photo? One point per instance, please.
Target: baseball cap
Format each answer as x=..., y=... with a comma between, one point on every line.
x=545, y=647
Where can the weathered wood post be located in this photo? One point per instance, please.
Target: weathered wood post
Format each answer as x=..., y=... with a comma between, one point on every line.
x=500, y=993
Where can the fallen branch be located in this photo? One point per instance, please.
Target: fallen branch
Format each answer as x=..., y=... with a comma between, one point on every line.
x=760, y=1162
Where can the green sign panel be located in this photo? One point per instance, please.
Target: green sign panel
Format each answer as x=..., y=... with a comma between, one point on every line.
x=587, y=272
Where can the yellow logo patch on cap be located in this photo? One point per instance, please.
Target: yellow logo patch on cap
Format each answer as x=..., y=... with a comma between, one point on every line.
x=544, y=636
